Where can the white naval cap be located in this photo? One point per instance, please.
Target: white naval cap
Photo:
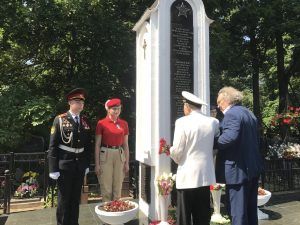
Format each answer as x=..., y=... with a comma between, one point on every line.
x=192, y=98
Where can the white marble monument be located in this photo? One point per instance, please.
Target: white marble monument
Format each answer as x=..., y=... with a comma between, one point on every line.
x=172, y=55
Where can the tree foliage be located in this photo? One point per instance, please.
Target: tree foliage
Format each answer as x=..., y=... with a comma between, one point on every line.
x=48, y=47
x=255, y=46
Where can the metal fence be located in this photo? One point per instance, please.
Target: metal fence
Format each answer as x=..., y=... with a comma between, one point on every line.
x=19, y=163
x=281, y=175
x=5, y=192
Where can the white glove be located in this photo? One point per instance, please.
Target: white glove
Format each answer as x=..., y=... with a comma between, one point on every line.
x=87, y=170
x=54, y=175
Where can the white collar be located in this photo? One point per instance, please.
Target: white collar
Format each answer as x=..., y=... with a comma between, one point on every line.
x=195, y=111
x=74, y=115
x=227, y=108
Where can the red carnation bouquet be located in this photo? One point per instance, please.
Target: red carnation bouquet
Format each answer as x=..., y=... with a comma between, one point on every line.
x=164, y=147
x=117, y=206
x=216, y=187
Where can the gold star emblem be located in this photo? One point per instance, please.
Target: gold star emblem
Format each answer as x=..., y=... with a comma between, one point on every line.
x=182, y=10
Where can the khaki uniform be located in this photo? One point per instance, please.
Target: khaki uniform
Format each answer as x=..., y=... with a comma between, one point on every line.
x=112, y=173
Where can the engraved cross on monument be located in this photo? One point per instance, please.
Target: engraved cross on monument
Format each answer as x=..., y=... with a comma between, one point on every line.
x=174, y=59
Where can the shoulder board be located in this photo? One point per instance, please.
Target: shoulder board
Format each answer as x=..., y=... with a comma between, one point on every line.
x=84, y=118
x=62, y=115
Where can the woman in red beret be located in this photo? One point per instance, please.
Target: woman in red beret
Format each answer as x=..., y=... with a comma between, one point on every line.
x=111, y=151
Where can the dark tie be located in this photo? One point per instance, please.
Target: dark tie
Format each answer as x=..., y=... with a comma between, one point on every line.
x=77, y=120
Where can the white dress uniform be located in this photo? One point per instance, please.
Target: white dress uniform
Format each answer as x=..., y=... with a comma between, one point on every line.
x=192, y=150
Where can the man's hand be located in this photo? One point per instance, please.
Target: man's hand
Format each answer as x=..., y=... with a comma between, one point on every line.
x=54, y=175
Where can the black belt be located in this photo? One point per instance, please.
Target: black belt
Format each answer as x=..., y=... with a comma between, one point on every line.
x=109, y=146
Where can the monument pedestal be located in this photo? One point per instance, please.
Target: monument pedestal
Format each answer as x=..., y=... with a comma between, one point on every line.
x=172, y=55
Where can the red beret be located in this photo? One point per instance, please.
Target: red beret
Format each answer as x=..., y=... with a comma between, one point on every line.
x=112, y=102
x=78, y=93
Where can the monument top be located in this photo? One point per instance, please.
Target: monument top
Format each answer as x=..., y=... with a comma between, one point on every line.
x=145, y=16
x=152, y=8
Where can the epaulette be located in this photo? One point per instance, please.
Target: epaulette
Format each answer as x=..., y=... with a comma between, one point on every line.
x=62, y=115
x=84, y=117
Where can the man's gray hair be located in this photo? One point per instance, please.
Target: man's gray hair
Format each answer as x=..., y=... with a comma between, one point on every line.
x=232, y=95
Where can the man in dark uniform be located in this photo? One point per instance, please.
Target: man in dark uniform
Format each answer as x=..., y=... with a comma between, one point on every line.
x=69, y=157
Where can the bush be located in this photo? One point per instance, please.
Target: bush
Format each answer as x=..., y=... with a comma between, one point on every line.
x=48, y=202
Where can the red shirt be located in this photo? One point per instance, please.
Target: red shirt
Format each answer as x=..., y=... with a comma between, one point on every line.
x=112, y=132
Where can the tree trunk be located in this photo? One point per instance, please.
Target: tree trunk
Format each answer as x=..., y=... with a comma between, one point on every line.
x=282, y=77
x=255, y=77
x=283, y=82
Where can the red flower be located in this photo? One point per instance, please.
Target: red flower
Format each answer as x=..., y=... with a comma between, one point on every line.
x=154, y=222
x=164, y=147
x=287, y=120
x=211, y=187
x=162, y=142
x=116, y=206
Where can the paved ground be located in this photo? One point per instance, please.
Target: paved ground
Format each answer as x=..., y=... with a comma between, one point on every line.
x=283, y=208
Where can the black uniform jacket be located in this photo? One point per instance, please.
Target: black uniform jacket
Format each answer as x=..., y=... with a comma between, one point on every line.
x=66, y=132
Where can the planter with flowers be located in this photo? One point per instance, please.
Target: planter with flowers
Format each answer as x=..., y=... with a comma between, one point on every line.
x=262, y=198
x=29, y=186
x=216, y=192
x=116, y=212
x=165, y=183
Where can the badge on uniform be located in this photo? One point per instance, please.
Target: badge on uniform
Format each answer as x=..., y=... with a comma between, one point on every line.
x=52, y=129
x=85, y=125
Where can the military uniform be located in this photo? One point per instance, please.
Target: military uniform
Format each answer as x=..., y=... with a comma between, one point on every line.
x=69, y=156
x=112, y=156
x=192, y=151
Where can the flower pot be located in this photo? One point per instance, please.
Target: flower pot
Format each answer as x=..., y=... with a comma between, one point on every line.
x=216, y=197
x=116, y=218
x=262, y=200
x=216, y=216
x=163, y=206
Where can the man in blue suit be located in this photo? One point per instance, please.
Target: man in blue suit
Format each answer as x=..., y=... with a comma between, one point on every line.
x=239, y=163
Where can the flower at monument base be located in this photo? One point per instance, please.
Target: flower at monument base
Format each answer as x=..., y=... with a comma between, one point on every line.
x=216, y=187
x=164, y=147
x=165, y=183
x=171, y=221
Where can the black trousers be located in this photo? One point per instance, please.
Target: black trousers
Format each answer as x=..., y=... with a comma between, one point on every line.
x=242, y=202
x=193, y=205
x=69, y=192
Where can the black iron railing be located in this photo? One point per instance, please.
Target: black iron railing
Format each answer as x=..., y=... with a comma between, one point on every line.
x=5, y=196
x=37, y=162
x=281, y=175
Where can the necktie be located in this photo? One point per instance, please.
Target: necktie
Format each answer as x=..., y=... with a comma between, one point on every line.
x=77, y=120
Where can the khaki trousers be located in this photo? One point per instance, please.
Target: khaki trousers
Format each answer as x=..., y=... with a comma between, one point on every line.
x=112, y=175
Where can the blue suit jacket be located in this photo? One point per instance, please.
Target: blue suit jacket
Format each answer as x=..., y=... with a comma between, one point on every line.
x=238, y=158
